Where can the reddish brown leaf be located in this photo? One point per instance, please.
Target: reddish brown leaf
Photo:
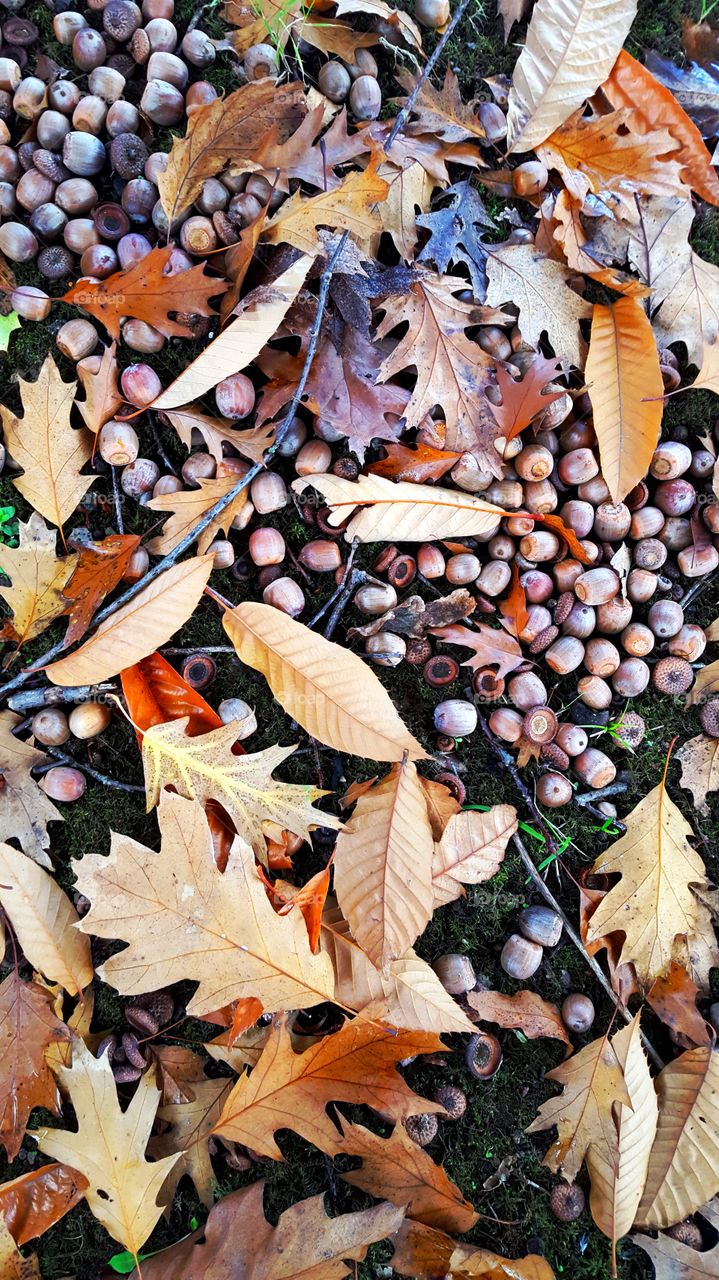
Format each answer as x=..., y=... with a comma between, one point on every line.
x=524, y=398
x=419, y=464
x=562, y=530
x=525, y=1010
x=492, y=647
x=145, y=292
x=244, y=1014
x=33, y=1203
x=27, y=1027
x=622, y=976
x=673, y=998
x=155, y=693
x=513, y=607
x=99, y=568
x=311, y=900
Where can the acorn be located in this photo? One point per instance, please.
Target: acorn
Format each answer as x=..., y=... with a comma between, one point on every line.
x=422, y=1129
x=285, y=594
x=386, y=649
x=140, y=385
x=49, y=726
x=455, y=717
x=334, y=81
x=541, y=925
x=236, y=709
x=553, y=790
x=76, y=339
x=235, y=396
x=118, y=443
x=520, y=957
x=672, y=675
x=432, y=13
x=566, y=1201
x=128, y=155
x=89, y=719
x=452, y=1099
x=260, y=61
x=63, y=783
x=440, y=670
x=455, y=972
x=199, y=670
x=686, y=1233
x=365, y=98
x=578, y=1012
x=483, y=1055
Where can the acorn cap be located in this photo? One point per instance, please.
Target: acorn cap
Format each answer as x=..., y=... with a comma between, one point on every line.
x=672, y=675
x=567, y=1201
x=484, y=1055
x=709, y=717
x=422, y=1129
x=452, y=1099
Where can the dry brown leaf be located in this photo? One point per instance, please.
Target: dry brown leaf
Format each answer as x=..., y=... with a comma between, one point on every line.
x=305, y=159
x=441, y=805
x=705, y=686
x=190, y=1124
x=50, y=451
x=34, y=1202
x=423, y=1253
x=401, y=462
x=492, y=647
x=470, y=851
x=625, y=387
x=699, y=760
x=188, y=507
x=442, y=112
x=410, y=192
x=708, y=375
x=398, y=1170
x=526, y=397
x=100, y=567
x=259, y=316
x=13, y=1266
x=330, y=691
x=188, y=926
x=383, y=866
x=593, y=1082
x=401, y=512
x=44, y=919
x=653, y=903
x=109, y=1147
x=673, y=999
x=138, y=628
x=238, y=259
x=219, y=131
x=511, y=11
x=102, y=393
x=28, y=1027
x=405, y=25
x=539, y=287
x=617, y=1181
x=570, y=49
x=280, y=21
x=37, y=578
x=526, y=1011
x=673, y=1260
x=684, y=1162
x=288, y=1090
x=251, y=442
x=351, y=207
x=26, y=810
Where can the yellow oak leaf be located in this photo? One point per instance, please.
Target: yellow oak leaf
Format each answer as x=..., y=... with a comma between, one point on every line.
x=37, y=578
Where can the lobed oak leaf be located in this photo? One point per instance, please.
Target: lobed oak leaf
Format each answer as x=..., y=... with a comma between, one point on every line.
x=442, y=112
x=673, y=998
x=288, y=1090
x=102, y=393
x=303, y=158
x=34, y=1202
x=707, y=378
x=539, y=287
x=525, y=1011
x=100, y=567
x=492, y=647
x=418, y=464
x=146, y=292
x=136, y=629
x=673, y=1260
x=398, y=1170
x=351, y=207
x=44, y=920
x=699, y=760
x=409, y=189
x=187, y=924
x=43, y=442
x=189, y=506
x=190, y=1124
x=251, y=442
x=25, y=810
x=524, y=398
x=470, y=850
x=456, y=233
x=28, y=1027
x=179, y=1070
x=37, y=578
x=237, y=1242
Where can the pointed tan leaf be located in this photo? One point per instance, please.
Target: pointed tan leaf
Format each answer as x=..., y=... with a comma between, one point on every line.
x=138, y=628
x=401, y=511
x=288, y=1090
x=37, y=578
x=467, y=1261
x=188, y=507
x=570, y=49
x=593, y=1081
x=705, y=686
x=259, y=317
x=251, y=442
x=350, y=207
x=699, y=760
x=190, y=1124
x=617, y=1184
x=626, y=389
x=102, y=393
x=409, y=993
x=28, y=1028
x=187, y=926
x=331, y=692
x=383, y=866
x=492, y=647
x=25, y=810
x=653, y=904
x=50, y=450
x=398, y=1170
x=684, y=1162
x=526, y=1012
x=471, y=850
x=708, y=375
x=405, y=25
x=539, y=286
x=204, y=767
x=109, y=1147
x=44, y=920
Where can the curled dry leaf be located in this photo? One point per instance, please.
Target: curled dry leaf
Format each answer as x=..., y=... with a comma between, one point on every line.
x=401, y=512
x=102, y=393
x=417, y=464
x=251, y=442
x=26, y=810
x=470, y=851
x=155, y=693
x=525, y=1011
x=28, y=1027
x=492, y=647
x=37, y=579
x=423, y=1253
x=141, y=626
x=673, y=999
x=331, y=692
x=44, y=921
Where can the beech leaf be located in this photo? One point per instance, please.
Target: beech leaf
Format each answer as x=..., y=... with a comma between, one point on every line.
x=44, y=921
x=37, y=579
x=401, y=512
x=470, y=850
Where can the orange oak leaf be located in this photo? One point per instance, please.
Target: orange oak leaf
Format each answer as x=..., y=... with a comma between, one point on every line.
x=419, y=464
x=34, y=1202
x=146, y=293
x=672, y=996
x=513, y=608
x=524, y=398
x=491, y=646
x=305, y=159
x=27, y=1027
x=525, y=1010
x=99, y=568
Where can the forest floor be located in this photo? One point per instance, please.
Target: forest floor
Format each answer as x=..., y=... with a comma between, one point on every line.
x=489, y=1143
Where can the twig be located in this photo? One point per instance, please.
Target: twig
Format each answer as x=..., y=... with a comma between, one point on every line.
x=339, y=589
x=51, y=696
x=92, y=773
x=426, y=71
x=519, y=782
x=588, y=800
x=699, y=586
x=152, y=419
x=222, y=503
x=117, y=500
x=177, y=651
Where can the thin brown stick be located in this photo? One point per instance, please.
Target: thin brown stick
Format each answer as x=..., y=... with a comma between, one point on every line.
x=513, y=771
x=426, y=71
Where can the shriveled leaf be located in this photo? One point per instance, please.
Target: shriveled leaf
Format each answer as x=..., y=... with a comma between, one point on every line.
x=456, y=233
x=187, y=925
x=102, y=392
x=470, y=851
x=28, y=1027
x=330, y=691
x=43, y=442
x=492, y=647
x=626, y=389
x=441, y=111
x=189, y=506
x=526, y=1011
x=259, y=317
x=539, y=286
x=100, y=567
x=25, y=810
x=684, y=1162
x=513, y=606
x=34, y=1202
x=570, y=49
x=238, y=259
x=141, y=626
x=417, y=464
x=351, y=207
x=405, y=26
x=288, y=1090
x=44, y=919
x=109, y=1146
x=401, y=512
x=699, y=760
x=399, y=1170
x=37, y=578
x=673, y=999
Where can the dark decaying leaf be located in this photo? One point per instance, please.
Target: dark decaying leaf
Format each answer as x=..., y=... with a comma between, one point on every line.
x=414, y=617
x=456, y=236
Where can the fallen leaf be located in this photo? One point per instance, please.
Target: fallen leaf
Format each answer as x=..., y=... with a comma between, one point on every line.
x=673, y=999
x=593, y=1082
x=442, y=112
x=525, y=1011
x=383, y=866
x=301, y=157
x=569, y=51
x=238, y=259
x=26, y=810
x=237, y=1241
x=258, y=318
x=14, y=1266
x=705, y=685
x=673, y=1260
x=684, y=1162
x=327, y=689
x=492, y=647
x=351, y=207
x=37, y=578
x=699, y=760
x=146, y=292
x=283, y=20
x=410, y=191
x=187, y=927
x=539, y=287
x=50, y=451
x=310, y=899
x=102, y=393
x=526, y=397
x=155, y=693
x=28, y=1027
x=108, y=1148
x=100, y=567
x=44, y=919
x=423, y=1253
x=511, y=11
x=513, y=606
x=401, y=512
x=398, y=1170
x=418, y=464
x=288, y=1090
x=251, y=442
x=135, y=630
x=397, y=18
x=179, y=1071
x=34, y=1202
x=190, y=1125
x=625, y=387
x=189, y=506
x=470, y=850
x=695, y=87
